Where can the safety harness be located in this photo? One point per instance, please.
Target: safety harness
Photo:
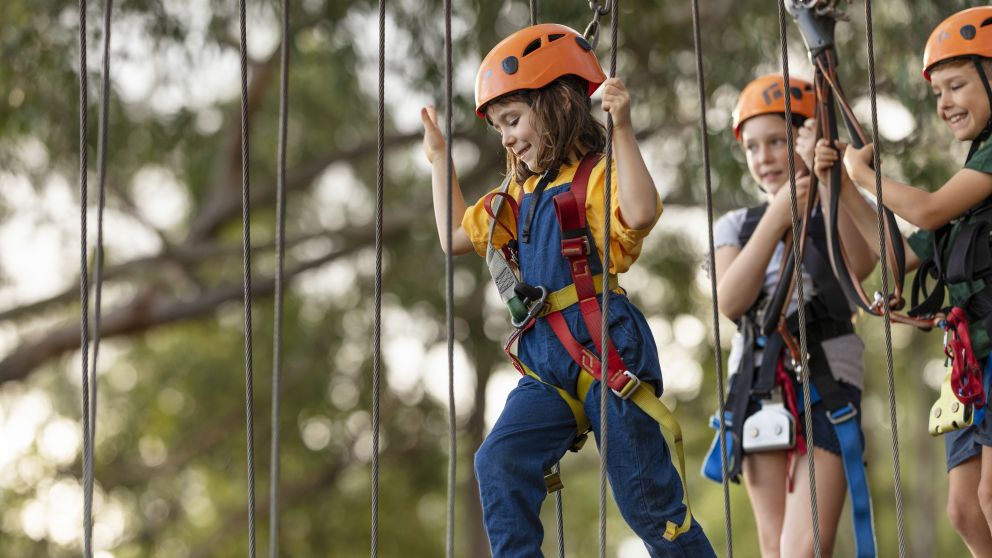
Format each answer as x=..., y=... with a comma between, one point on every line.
x=752, y=386
x=960, y=261
x=529, y=303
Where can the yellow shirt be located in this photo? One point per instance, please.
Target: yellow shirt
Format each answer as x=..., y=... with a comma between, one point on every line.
x=625, y=242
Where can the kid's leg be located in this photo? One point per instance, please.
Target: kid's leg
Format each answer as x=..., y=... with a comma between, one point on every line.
x=963, y=504
x=645, y=483
x=831, y=489
x=765, y=479
x=534, y=430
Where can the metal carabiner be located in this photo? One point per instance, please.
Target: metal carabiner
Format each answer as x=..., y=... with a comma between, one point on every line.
x=591, y=34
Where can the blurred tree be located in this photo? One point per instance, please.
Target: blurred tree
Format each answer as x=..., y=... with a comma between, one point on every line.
x=170, y=447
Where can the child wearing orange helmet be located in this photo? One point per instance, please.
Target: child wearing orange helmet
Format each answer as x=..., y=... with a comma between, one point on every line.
x=763, y=413
x=951, y=245
x=533, y=88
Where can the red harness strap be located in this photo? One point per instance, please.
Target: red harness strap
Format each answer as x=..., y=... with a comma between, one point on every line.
x=966, y=375
x=791, y=400
x=570, y=207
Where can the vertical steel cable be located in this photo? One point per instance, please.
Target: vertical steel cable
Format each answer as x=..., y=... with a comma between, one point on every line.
x=604, y=390
x=84, y=288
x=801, y=304
x=704, y=138
x=533, y=12
x=274, y=467
x=890, y=378
x=90, y=454
x=246, y=248
x=449, y=284
x=377, y=318
x=101, y=203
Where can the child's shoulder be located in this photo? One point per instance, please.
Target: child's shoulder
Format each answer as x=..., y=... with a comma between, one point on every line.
x=982, y=159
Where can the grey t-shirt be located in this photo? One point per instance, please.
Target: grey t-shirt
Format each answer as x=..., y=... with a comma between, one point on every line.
x=845, y=353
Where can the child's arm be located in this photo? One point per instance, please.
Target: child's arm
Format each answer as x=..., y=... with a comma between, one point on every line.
x=860, y=215
x=861, y=257
x=740, y=272
x=635, y=187
x=927, y=210
x=434, y=149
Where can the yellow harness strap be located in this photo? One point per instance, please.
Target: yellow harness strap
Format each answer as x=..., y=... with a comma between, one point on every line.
x=650, y=404
x=566, y=296
x=642, y=397
x=582, y=425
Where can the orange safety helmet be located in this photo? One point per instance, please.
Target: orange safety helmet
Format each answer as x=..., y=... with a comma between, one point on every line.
x=532, y=58
x=966, y=33
x=764, y=96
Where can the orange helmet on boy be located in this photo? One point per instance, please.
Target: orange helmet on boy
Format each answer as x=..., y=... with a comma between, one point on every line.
x=532, y=58
x=765, y=95
x=964, y=34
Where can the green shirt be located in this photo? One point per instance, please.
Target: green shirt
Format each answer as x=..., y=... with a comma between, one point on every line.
x=921, y=242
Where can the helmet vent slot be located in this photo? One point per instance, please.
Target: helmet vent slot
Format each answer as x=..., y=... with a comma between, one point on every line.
x=555, y=36
x=532, y=46
x=987, y=22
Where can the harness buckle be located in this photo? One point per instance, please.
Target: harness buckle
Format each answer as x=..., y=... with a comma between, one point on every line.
x=575, y=247
x=533, y=311
x=629, y=388
x=845, y=413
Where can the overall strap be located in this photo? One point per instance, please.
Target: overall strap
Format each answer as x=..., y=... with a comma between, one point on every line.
x=576, y=248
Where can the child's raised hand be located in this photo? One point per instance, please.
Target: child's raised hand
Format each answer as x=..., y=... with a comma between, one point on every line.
x=433, y=138
x=805, y=142
x=826, y=157
x=782, y=203
x=857, y=159
x=616, y=101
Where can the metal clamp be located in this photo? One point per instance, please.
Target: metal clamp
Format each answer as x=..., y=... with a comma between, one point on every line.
x=535, y=309
x=848, y=412
x=591, y=34
x=631, y=386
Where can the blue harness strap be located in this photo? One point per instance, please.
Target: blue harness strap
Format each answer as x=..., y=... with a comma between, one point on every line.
x=713, y=466
x=851, y=452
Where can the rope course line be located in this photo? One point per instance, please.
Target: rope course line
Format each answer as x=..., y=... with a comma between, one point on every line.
x=882, y=246
x=613, y=7
x=280, y=240
x=84, y=292
x=449, y=284
x=377, y=311
x=797, y=274
x=721, y=399
x=101, y=204
x=246, y=248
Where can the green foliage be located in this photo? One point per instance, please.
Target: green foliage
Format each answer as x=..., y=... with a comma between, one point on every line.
x=171, y=452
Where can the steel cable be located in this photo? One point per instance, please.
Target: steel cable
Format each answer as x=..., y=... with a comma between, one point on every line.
x=246, y=249
x=697, y=42
x=797, y=259
x=887, y=325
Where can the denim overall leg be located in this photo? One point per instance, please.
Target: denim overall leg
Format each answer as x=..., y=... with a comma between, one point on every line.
x=536, y=427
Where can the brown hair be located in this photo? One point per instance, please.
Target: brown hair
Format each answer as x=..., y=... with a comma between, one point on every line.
x=563, y=119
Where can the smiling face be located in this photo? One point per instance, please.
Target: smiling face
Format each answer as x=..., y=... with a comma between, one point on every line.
x=516, y=123
x=962, y=102
x=766, y=146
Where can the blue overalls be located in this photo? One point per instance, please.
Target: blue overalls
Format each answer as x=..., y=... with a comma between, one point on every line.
x=537, y=427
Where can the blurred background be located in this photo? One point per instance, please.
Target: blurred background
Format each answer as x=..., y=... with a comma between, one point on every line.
x=170, y=449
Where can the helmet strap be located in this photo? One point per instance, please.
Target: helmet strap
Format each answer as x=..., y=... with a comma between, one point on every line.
x=987, y=130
